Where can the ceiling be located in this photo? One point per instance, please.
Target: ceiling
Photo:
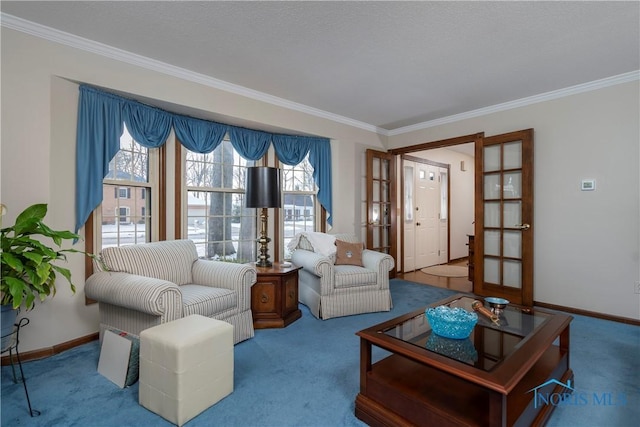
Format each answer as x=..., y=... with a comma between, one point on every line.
x=387, y=65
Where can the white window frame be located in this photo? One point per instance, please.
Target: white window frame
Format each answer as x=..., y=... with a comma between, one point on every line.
x=285, y=218
x=150, y=187
x=127, y=193
x=186, y=223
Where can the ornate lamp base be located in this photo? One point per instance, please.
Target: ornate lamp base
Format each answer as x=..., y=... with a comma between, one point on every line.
x=263, y=240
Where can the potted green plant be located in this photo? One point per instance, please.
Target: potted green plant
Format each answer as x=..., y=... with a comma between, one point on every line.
x=29, y=262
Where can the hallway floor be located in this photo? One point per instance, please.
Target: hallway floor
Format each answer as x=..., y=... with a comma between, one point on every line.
x=461, y=284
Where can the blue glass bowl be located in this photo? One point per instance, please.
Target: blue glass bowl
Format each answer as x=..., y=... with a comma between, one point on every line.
x=456, y=323
x=462, y=350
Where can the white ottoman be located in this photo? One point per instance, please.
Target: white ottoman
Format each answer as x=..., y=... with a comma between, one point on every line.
x=186, y=366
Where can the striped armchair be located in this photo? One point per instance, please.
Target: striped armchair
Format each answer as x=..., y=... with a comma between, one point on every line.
x=153, y=283
x=341, y=290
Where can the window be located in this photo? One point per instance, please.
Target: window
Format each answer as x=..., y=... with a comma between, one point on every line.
x=124, y=217
x=444, y=194
x=300, y=208
x=217, y=221
x=123, y=193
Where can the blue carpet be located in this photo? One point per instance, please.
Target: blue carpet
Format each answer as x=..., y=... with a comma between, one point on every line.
x=308, y=375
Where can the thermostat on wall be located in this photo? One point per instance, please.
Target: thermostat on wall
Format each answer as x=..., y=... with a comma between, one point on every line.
x=588, y=185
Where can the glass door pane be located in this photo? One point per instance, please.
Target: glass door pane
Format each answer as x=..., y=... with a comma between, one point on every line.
x=380, y=193
x=502, y=218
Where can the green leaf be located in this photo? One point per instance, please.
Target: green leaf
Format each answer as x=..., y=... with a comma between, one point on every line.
x=15, y=288
x=67, y=275
x=28, y=302
x=28, y=220
x=11, y=261
x=43, y=271
x=57, y=236
x=34, y=256
x=63, y=271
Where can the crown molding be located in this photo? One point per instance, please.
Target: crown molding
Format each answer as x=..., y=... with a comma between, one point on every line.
x=547, y=96
x=61, y=37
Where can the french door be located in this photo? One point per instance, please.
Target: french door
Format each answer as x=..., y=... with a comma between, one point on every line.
x=381, y=203
x=504, y=217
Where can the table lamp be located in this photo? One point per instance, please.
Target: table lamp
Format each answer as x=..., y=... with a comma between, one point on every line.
x=263, y=190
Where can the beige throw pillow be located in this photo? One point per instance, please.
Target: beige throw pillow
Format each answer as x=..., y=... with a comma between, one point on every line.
x=349, y=253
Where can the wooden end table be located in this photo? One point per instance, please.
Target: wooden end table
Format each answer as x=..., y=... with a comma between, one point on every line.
x=274, y=296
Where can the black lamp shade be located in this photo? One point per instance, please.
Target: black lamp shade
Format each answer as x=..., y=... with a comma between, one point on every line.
x=264, y=187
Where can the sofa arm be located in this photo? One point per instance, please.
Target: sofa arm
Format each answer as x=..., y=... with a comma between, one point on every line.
x=227, y=275
x=379, y=262
x=140, y=293
x=313, y=262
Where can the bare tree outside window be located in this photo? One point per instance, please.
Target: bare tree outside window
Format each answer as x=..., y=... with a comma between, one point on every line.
x=217, y=220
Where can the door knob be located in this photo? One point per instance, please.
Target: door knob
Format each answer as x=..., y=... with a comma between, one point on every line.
x=418, y=224
x=522, y=226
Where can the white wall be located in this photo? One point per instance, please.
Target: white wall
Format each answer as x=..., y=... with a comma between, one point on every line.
x=39, y=106
x=586, y=244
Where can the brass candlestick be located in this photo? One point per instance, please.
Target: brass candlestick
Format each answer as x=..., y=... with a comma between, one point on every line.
x=263, y=240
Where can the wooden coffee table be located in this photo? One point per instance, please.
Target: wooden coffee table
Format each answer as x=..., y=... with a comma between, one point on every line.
x=485, y=380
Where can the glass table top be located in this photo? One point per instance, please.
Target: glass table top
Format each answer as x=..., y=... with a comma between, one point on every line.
x=489, y=343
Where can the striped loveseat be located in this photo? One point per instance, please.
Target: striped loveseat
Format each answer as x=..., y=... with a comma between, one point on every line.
x=341, y=290
x=144, y=285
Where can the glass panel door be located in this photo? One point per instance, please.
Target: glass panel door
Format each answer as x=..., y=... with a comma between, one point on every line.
x=504, y=255
x=381, y=212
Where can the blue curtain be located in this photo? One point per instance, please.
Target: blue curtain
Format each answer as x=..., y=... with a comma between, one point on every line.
x=291, y=150
x=250, y=144
x=99, y=128
x=197, y=135
x=149, y=126
x=320, y=159
x=101, y=118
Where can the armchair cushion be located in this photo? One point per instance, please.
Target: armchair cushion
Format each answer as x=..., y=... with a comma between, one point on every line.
x=207, y=301
x=348, y=253
x=348, y=276
x=170, y=261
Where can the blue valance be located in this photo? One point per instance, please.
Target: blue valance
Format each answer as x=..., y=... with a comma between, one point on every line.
x=197, y=135
x=251, y=144
x=101, y=119
x=147, y=125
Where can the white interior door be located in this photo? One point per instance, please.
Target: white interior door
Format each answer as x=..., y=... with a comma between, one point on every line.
x=427, y=215
x=425, y=210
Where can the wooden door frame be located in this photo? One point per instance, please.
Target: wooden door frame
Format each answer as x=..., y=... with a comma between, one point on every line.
x=475, y=138
x=392, y=244
x=406, y=157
